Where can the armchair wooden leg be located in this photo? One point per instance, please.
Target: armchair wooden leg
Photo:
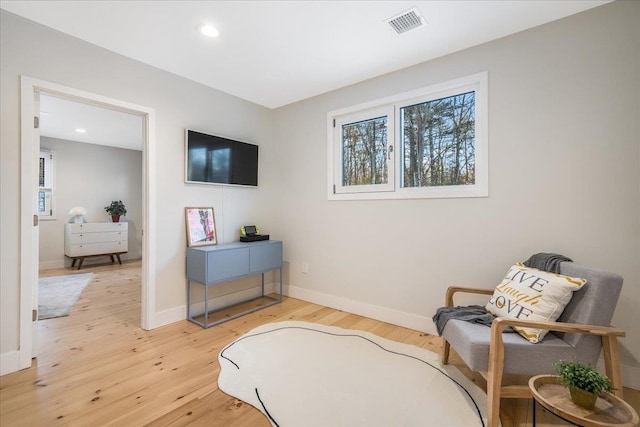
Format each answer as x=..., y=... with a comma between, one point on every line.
x=494, y=383
x=612, y=362
x=445, y=352
x=494, y=375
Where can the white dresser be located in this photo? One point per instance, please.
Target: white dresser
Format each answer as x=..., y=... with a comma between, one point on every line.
x=95, y=239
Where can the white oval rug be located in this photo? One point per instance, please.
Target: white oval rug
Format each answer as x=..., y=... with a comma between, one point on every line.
x=306, y=374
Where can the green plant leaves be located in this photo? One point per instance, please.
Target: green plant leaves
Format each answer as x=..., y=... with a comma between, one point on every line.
x=579, y=375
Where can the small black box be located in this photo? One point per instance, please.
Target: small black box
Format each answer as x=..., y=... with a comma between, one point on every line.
x=254, y=238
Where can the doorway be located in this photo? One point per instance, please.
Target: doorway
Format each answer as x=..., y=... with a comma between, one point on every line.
x=89, y=156
x=29, y=232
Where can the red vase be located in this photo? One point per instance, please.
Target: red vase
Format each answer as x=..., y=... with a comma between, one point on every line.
x=115, y=218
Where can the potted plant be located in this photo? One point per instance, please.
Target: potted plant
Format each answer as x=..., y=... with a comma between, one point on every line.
x=585, y=384
x=115, y=209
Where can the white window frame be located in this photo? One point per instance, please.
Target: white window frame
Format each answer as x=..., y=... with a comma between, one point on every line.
x=477, y=83
x=387, y=111
x=49, y=157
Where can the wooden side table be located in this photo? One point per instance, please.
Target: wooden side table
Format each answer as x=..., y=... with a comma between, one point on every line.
x=609, y=411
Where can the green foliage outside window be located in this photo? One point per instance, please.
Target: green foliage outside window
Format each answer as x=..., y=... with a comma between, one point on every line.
x=438, y=140
x=364, y=151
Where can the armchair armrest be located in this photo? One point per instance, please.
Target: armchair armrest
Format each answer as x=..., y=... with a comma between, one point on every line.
x=452, y=290
x=608, y=334
x=500, y=323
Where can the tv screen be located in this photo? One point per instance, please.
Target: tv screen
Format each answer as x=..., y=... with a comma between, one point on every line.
x=218, y=160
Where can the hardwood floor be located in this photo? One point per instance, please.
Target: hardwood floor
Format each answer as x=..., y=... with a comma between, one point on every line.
x=97, y=367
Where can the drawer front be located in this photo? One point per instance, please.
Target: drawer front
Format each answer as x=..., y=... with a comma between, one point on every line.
x=95, y=248
x=78, y=238
x=93, y=227
x=224, y=265
x=266, y=257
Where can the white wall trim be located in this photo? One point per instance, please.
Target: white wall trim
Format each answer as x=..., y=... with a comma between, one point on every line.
x=384, y=314
x=28, y=265
x=231, y=298
x=48, y=265
x=9, y=362
x=630, y=376
x=172, y=315
x=179, y=313
x=60, y=263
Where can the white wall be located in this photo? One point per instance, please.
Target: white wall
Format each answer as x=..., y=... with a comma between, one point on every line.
x=30, y=49
x=564, y=148
x=91, y=176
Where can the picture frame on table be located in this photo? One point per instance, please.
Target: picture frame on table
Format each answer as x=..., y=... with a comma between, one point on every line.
x=201, y=226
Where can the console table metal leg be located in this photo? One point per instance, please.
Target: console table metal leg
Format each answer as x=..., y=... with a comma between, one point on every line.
x=188, y=299
x=262, y=284
x=206, y=306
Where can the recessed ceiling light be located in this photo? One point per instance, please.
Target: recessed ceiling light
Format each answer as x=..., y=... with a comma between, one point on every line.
x=208, y=30
x=44, y=113
x=80, y=130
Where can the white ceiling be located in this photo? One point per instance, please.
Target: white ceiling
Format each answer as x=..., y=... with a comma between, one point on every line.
x=59, y=118
x=277, y=52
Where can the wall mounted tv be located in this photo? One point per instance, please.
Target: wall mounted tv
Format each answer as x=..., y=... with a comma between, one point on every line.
x=217, y=160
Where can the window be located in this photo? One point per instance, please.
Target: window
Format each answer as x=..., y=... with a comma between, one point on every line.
x=45, y=184
x=364, y=146
x=422, y=144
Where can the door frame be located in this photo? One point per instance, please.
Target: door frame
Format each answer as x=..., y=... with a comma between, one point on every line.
x=29, y=268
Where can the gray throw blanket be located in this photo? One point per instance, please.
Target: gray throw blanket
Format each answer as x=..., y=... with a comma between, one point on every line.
x=546, y=262
x=471, y=313
x=478, y=314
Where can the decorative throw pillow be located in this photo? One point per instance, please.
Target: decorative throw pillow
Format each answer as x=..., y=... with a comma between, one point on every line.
x=529, y=293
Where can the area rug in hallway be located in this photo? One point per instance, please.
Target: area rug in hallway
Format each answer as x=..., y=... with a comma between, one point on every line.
x=58, y=294
x=306, y=374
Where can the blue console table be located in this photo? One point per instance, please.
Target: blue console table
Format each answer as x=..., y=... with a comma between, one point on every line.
x=211, y=265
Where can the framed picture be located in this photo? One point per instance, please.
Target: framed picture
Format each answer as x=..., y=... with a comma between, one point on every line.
x=201, y=227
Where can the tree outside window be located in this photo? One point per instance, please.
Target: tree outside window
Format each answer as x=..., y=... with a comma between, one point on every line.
x=442, y=150
x=364, y=152
x=438, y=140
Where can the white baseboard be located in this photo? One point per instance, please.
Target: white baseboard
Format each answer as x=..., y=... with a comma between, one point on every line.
x=384, y=314
x=131, y=255
x=630, y=376
x=179, y=313
x=9, y=362
x=169, y=316
x=48, y=265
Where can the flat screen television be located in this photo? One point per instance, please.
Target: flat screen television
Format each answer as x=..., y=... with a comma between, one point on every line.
x=217, y=160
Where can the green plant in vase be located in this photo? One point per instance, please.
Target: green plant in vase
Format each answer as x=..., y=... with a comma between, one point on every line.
x=584, y=382
x=116, y=209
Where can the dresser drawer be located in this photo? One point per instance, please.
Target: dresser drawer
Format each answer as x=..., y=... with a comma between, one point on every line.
x=78, y=238
x=85, y=249
x=96, y=227
x=95, y=238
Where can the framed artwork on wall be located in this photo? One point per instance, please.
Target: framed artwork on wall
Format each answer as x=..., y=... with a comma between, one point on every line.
x=201, y=227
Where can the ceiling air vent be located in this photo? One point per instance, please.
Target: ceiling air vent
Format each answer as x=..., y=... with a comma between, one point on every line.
x=406, y=21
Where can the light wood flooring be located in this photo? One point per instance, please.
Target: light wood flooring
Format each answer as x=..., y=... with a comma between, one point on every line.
x=97, y=367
